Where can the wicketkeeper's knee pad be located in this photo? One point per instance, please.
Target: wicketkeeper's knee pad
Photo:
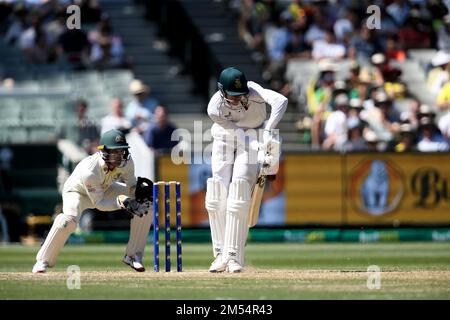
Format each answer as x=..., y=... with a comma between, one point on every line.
x=239, y=197
x=216, y=196
x=65, y=223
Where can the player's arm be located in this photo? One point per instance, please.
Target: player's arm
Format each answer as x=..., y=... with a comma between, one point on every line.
x=96, y=193
x=278, y=104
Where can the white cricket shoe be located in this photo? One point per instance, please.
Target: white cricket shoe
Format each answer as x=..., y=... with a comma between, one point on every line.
x=233, y=266
x=40, y=267
x=134, y=262
x=218, y=265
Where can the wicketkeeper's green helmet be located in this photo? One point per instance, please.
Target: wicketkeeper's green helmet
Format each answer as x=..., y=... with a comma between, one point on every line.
x=113, y=139
x=232, y=81
x=114, y=148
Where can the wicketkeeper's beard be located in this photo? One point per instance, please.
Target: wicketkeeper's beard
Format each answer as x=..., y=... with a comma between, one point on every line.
x=116, y=160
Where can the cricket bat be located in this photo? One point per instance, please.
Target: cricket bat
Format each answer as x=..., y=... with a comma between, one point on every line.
x=257, y=195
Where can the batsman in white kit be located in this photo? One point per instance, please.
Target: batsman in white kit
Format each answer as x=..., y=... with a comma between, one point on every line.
x=245, y=146
x=105, y=181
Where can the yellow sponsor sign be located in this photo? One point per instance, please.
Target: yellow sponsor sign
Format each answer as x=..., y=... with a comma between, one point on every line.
x=368, y=189
x=397, y=189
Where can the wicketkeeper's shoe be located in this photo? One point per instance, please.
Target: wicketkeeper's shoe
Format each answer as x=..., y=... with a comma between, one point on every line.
x=134, y=262
x=233, y=266
x=40, y=267
x=218, y=265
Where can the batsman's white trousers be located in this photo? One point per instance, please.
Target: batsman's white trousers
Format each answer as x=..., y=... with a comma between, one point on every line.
x=73, y=206
x=231, y=161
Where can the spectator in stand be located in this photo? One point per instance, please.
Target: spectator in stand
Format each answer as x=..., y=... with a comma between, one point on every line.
x=354, y=111
x=88, y=133
x=53, y=30
x=336, y=125
x=443, y=35
x=116, y=119
x=415, y=33
x=393, y=50
x=296, y=47
x=372, y=141
x=355, y=141
x=443, y=98
x=352, y=80
x=407, y=139
x=107, y=49
x=383, y=119
x=140, y=110
x=18, y=25
x=252, y=21
x=33, y=42
x=387, y=76
x=103, y=56
x=440, y=74
x=444, y=125
x=399, y=10
x=425, y=111
x=363, y=46
x=430, y=138
x=276, y=45
x=328, y=48
x=343, y=27
x=159, y=134
x=317, y=29
x=90, y=11
x=73, y=49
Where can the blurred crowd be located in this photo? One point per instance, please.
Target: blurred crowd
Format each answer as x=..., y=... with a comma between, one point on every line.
x=144, y=114
x=372, y=108
x=39, y=29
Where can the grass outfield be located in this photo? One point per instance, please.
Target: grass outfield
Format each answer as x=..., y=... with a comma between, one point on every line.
x=274, y=271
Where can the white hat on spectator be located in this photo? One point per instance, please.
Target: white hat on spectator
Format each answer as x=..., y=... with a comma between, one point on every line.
x=406, y=128
x=356, y=103
x=378, y=58
x=441, y=58
x=371, y=136
x=137, y=87
x=341, y=99
x=425, y=109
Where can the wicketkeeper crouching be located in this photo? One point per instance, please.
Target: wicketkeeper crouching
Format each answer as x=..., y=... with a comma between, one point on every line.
x=105, y=181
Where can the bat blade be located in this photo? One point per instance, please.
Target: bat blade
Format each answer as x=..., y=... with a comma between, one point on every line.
x=257, y=195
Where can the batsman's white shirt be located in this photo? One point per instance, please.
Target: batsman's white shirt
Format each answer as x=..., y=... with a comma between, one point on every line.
x=233, y=171
x=255, y=115
x=92, y=185
x=227, y=164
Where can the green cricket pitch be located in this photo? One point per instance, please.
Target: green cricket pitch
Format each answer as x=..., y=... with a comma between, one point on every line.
x=291, y=271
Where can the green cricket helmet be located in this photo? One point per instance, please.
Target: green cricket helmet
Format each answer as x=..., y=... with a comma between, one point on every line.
x=114, y=148
x=233, y=83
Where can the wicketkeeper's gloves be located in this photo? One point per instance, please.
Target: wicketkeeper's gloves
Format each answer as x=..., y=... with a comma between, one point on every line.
x=132, y=206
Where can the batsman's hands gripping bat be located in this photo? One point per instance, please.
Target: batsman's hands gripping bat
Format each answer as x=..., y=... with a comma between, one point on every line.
x=268, y=158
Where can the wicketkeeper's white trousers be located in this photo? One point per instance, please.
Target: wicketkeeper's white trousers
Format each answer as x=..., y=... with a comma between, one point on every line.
x=74, y=204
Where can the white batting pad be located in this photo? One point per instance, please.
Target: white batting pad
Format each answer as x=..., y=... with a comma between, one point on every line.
x=139, y=229
x=216, y=204
x=60, y=231
x=236, y=231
